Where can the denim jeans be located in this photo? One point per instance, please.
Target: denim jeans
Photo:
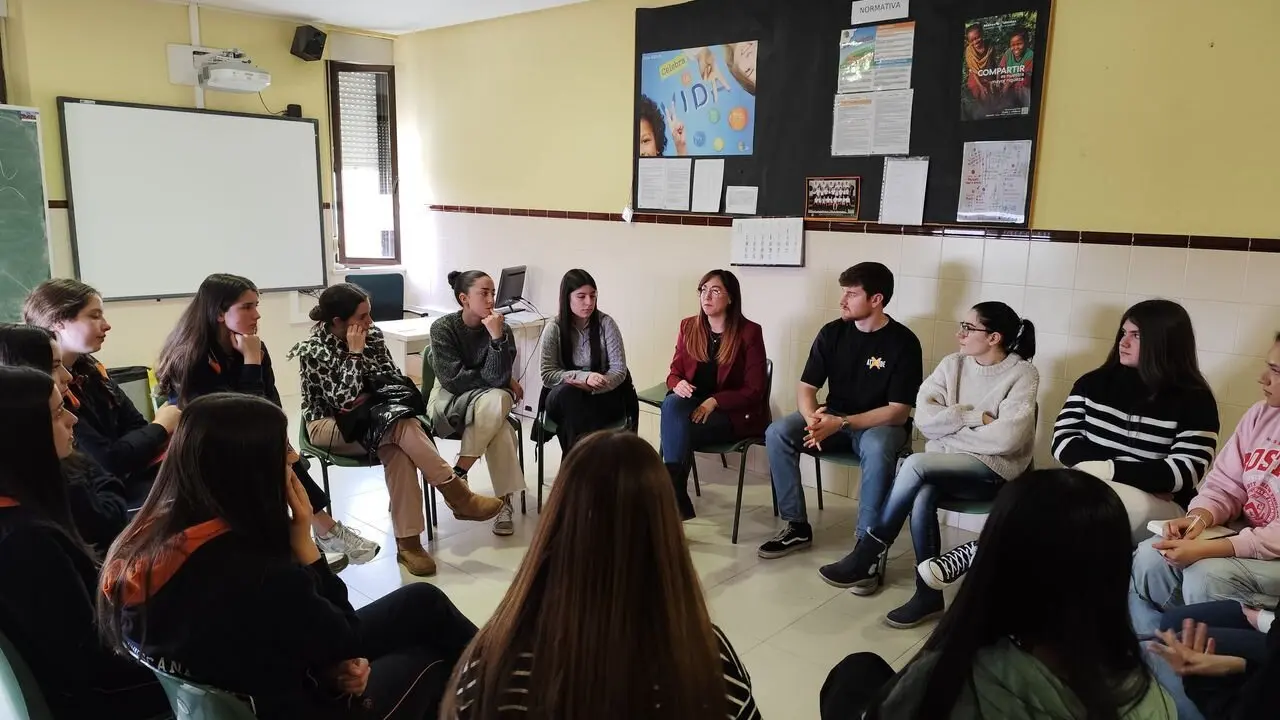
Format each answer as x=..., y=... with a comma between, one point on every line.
x=680, y=434
x=923, y=478
x=1229, y=628
x=877, y=449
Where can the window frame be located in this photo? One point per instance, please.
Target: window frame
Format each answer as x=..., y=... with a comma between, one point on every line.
x=333, y=70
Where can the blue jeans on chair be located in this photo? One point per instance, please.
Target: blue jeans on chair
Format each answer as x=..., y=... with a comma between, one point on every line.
x=877, y=450
x=923, y=478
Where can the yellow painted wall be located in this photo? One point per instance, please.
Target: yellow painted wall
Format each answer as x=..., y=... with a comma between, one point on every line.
x=115, y=50
x=1159, y=117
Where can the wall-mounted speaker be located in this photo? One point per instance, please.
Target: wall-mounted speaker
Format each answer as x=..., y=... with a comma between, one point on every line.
x=308, y=43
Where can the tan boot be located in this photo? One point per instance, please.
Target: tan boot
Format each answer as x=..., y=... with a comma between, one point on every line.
x=414, y=557
x=465, y=504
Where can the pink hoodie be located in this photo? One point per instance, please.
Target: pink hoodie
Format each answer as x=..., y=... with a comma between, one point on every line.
x=1245, y=482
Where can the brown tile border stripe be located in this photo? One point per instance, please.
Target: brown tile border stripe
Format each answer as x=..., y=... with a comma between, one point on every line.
x=986, y=232
x=63, y=205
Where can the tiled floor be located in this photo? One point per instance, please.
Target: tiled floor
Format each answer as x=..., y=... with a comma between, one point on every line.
x=789, y=627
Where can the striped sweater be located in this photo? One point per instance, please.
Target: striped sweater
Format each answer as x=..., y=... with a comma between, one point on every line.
x=1161, y=445
x=741, y=703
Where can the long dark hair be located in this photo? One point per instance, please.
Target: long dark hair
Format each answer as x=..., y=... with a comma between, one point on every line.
x=1017, y=335
x=227, y=461
x=197, y=331
x=337, y=301
x=1167, y=350
x=1016, y=589
x=31, y=472
x=26, y=346
x=573, y=280
x=606, y=599
x=697, y=331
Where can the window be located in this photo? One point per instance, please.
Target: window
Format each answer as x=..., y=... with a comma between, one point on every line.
x=362, y=106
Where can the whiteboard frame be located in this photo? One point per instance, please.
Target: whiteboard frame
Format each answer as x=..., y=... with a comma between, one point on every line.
x=63, y=101
x=44, y=178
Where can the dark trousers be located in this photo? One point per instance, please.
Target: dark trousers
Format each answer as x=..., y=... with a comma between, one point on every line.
x=319, y=501
x=681, y=435
x=412, y=638
x=853, y=685
x=1230, y=629
x=578, y=412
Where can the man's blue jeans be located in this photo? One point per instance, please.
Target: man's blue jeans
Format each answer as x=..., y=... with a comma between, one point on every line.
x=876, y=447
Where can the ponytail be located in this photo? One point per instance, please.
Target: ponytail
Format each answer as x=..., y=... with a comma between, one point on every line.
x=1017, y=335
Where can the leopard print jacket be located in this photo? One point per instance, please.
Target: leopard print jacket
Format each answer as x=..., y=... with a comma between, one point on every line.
x=333, y=376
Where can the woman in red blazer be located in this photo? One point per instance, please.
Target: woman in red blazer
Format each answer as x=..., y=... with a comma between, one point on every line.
x=717, y=381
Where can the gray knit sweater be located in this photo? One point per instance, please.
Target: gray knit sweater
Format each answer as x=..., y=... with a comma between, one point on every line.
x=554, y=371
x=466, y=362
x=951, y=402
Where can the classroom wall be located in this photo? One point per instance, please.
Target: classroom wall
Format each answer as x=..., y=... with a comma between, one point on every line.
x=1146, y=129
x=116, y=50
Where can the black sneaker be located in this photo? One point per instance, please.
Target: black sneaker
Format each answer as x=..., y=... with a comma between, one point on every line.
x=940, y=572
x=861, y=571
x=794, y=537
x=924, y=606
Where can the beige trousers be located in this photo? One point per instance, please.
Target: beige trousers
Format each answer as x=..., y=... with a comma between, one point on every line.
x=405, y=450
x=1142, y=508
x=490, y=435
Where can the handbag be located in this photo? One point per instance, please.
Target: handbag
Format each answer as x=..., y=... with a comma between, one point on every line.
x=385, y=399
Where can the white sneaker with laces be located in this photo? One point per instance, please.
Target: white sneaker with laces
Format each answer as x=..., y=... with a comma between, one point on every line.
x=342, y=539
x=940, y=572
x=504, y=523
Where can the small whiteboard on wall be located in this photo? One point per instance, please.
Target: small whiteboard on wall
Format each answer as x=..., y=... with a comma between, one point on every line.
x=162, y=197
x=768, y=242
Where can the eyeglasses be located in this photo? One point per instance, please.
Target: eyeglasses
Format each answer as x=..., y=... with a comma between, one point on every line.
x=714, y=292
x=966, y=328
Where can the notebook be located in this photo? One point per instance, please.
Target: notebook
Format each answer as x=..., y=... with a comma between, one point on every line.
x=1156, y=527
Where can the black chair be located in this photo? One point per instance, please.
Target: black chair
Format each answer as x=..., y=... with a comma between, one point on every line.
x=851, y=459
x=544, y=428
x=386, y=295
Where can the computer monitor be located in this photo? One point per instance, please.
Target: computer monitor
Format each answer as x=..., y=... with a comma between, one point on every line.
x=510, y=288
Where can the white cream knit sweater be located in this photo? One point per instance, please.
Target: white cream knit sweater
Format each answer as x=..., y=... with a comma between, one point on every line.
x=953, y=398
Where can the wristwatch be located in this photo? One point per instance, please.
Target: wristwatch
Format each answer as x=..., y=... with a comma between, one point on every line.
x=844, y=423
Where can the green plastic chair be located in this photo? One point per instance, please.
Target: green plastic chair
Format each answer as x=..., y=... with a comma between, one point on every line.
x=193, y=701
x=850, y=459
x=328, y=459
x=741, y=447
x=429, y=382
x=20, y=694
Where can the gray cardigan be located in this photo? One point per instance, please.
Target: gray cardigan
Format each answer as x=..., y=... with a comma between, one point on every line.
x=467, y=362
x=615, y=357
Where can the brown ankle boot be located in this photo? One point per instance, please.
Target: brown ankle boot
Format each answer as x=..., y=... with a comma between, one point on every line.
x=465, y=504
x=414, y=557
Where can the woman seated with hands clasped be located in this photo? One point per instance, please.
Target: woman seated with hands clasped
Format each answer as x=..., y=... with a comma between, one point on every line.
x=717, y=382
x=215, y=347
x=218, y=580
x=584, y=364
x=344, y=354
x=978, y=411
x=1186, y=565
x=473, y=352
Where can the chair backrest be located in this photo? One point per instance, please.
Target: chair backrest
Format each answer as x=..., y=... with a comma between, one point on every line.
x=386, y=294
x=768, y=388
x=192, y=701
x=428, y=373
x=20, y=695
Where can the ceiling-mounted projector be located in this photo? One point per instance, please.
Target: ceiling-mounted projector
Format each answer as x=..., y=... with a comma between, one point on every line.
x=231, y=71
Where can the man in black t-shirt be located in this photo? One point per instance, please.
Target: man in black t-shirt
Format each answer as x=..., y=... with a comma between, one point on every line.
x=873, y=366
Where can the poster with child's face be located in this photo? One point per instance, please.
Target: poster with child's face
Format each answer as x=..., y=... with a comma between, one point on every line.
x=995, y=78
x=698, y=102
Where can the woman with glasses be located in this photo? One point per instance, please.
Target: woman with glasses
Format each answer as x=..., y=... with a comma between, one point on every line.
x=978, y=413
x=716, y=388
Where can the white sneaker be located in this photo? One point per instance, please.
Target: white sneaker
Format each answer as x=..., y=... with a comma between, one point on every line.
x=342, y=539
x=940, y=572
x=504, y=523
x=337, y=562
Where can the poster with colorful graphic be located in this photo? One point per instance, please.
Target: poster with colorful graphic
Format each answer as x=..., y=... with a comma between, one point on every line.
x=698, y=102
x=997, y=66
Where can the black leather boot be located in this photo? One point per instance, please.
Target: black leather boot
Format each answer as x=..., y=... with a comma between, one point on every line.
x=679, y=473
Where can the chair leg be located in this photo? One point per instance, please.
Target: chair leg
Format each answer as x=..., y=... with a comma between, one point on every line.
x=737, y=507
x=435, y=514
x=693, y=466
x=431, y=495
x=817, y=473
x=540, y=451
x=324, y=475
x=724, y=461
x=524, y=504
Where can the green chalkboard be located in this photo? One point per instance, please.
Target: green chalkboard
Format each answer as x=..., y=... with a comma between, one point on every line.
x=24, y=226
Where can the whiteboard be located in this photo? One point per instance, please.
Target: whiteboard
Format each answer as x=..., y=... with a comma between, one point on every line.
x=162, y=197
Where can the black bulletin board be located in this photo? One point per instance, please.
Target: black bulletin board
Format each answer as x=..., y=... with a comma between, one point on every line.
x=797, y=78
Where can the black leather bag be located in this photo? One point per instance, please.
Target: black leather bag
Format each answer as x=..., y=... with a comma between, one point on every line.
x=386, y=399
